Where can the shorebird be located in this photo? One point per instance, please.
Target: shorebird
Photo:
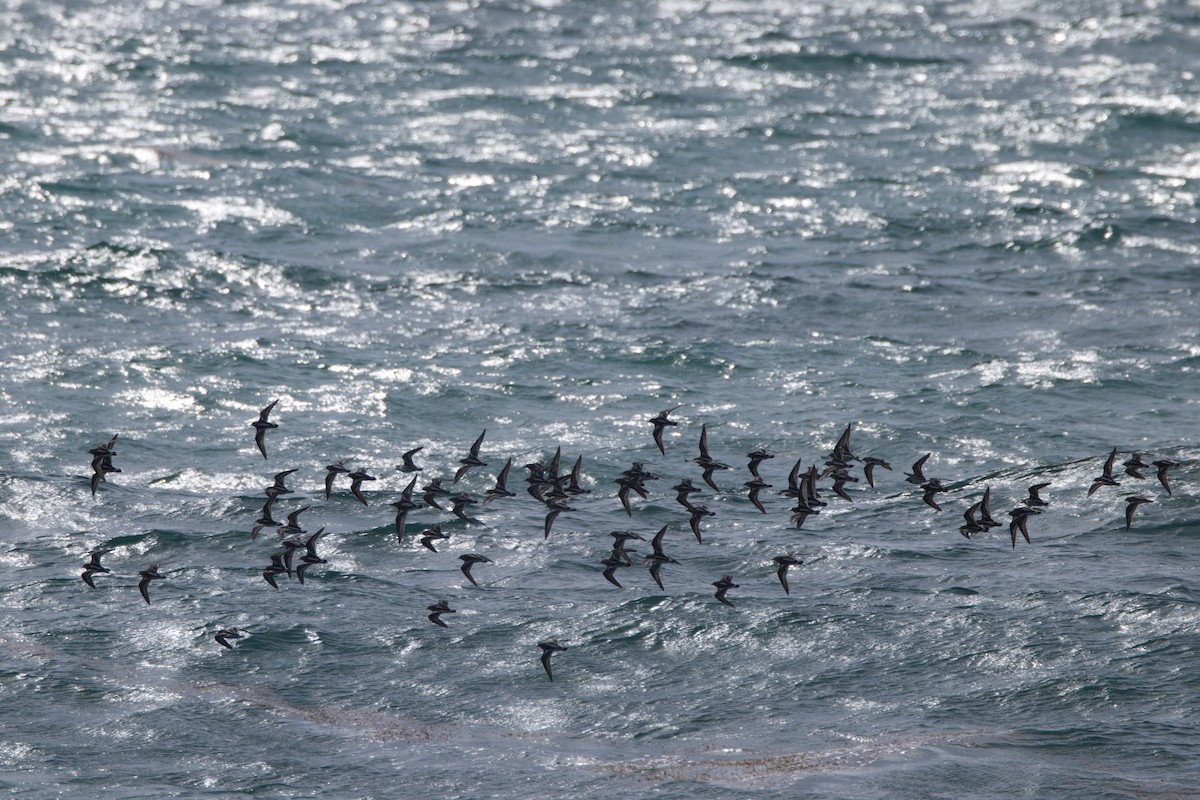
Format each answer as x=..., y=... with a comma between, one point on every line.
x=472, y=459
x=276, y=567
x=548, y=649
x=225, y=634
x=151, y=573
x=356, y=480
x=1134, y=465
x=265, y=520
x=985, y=510
x=756, y=485
x=757, y=457
x=724, y=585
x=1106, y=476
x=432, y=491
x=1131, y=504
x=93, y=566
x=261, y=426
x=784, y=562
x=459, y=503
x=1020, y=517
x=556, y=506
x=917, y=475
x=656, y=559
x=698, y=513
x=102, y=467
x=310, y=556
x=706, y=461
x=292, y=526
x=932, y=487
x=501, y=487
x=439, y=608
x=972, y=526
x=615, y=561
x=278, y=487
x=332, y=471
x=660, y=422
x=1035, y=501
x=407, y=459
x=431, y=535
x=469, y=560
x=1163, y=465
x=869, y=465
x=404, y=505
x=573, y=486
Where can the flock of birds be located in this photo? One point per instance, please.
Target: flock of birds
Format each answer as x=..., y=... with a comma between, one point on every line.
x=554, y=489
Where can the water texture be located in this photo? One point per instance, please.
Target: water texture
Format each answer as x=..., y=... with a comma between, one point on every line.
x=963, y=228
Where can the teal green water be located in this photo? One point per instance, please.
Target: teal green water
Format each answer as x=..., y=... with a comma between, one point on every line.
x=964, y=229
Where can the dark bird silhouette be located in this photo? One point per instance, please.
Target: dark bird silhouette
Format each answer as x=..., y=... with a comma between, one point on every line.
x=278, y=487
x=1034, y=500
x=683, y=490
x=472, y=459
x=501, y=487
x=697, y=514
x=548, y=649
x=469, y=560
x=459, y=503
x=439, y=608
x=656, y=559
x=869, y=465
x=757, y=457
x=706, y=461
x=1020, y=521
x=93, y=566
x=784, y=562
x=1131, y=504
x=407, y=459
x=555, y=507
x=724, y=585
x=972, y=525
x=102, y=465
x=261, y=426
x=149, y=574
x=985, y=510
x=290, y=545
x=310, y=556
x=633, y=480
x=265, y=520
x=404, y=505
x=755, y=486
x=1134, y=465
x=332, y=471
x=356, y=481
x=573, y=478
x=292, y=526
x=841, y=455
x=1163, y=465
x=276, y=567
x=225, y=634
x=1106, y=476
x=932, y=487
x=432, y=491
x=431, y=535
x=917, y=475
x=611, y=564
x=660, y=422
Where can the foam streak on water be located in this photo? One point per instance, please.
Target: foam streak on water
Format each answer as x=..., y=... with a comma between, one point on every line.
x=967, y=229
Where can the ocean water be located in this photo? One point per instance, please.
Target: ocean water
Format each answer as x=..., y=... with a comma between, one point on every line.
x=963, y=228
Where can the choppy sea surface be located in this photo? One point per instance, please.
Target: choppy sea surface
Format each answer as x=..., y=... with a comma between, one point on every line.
x=963, y=228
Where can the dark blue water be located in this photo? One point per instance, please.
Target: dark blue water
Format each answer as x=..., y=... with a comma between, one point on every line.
x=967, y=229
